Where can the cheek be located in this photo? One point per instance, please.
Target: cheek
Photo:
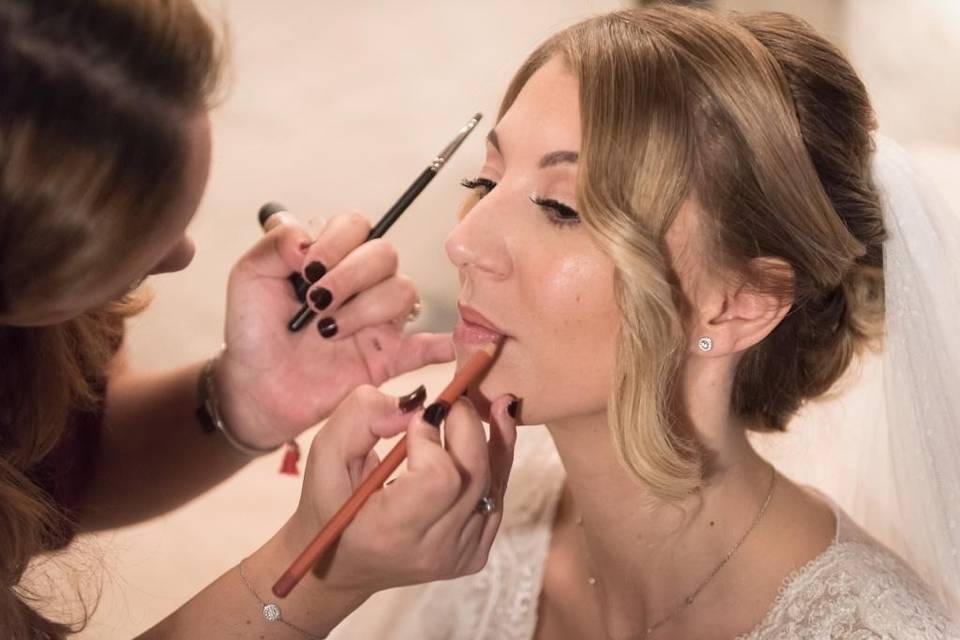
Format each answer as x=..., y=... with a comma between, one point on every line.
x=575, y=347
x=562, y=361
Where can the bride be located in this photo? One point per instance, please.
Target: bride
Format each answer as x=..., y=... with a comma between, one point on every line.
x=678, y=232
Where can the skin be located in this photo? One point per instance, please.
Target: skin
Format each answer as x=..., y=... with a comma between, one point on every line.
x=550, y=290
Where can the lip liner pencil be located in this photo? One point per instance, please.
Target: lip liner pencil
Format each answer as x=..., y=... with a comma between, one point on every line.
x=306, y=314
x=471, y=371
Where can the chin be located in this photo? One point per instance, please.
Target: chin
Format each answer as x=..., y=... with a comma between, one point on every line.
x=512, y=373
x=483, y=395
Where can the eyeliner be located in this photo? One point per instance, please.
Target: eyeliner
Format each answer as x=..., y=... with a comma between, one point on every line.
x=306, y=314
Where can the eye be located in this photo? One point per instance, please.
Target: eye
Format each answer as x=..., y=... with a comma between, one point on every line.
x=482, y=186
x=557, y=213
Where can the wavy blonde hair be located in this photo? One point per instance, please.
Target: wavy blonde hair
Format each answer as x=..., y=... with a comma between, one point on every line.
x=767, y=127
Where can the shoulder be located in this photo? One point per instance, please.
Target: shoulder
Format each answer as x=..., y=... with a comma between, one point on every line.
x=856, y=588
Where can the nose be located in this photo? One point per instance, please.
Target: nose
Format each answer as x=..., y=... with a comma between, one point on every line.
x=478, y=243
x=177, y=259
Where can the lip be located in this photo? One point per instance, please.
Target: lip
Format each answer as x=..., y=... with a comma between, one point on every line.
x=476, y=328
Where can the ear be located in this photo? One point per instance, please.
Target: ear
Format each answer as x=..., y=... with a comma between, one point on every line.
x=743, y=313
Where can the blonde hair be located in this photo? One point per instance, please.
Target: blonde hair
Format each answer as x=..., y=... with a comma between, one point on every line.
x=767, y=126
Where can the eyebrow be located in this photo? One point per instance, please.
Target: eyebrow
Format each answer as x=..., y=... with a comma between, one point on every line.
x=549, y=160
x=558, y=157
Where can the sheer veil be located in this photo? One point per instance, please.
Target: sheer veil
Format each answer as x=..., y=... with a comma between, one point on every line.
x=886, y=445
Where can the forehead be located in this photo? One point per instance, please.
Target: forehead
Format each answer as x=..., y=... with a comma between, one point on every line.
x=546, y=114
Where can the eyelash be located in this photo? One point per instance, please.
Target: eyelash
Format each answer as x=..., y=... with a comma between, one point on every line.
x=558, y=213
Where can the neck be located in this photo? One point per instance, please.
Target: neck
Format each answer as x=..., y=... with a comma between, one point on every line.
x=648, y=555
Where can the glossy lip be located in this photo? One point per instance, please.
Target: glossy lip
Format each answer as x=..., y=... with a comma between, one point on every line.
x=469, y=315
x=475, y=329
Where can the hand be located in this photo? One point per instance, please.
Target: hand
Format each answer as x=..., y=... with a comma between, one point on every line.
x=422, y=527
x=273, y=384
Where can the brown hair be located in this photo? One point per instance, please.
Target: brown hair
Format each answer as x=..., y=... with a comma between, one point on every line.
x=96, y=97
x=767, y=126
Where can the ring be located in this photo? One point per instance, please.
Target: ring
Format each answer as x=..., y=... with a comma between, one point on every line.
x=486, y=505
x=414, y=312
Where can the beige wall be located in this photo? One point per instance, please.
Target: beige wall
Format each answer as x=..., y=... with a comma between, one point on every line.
x=335, y=106
x=827, y=16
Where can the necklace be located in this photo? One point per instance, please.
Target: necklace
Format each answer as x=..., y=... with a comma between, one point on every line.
x=690, y=598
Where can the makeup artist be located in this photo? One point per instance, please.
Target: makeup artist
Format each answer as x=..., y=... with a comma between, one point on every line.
x=104, y=155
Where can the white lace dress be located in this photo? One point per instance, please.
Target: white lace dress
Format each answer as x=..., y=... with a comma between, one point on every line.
x=855, y=589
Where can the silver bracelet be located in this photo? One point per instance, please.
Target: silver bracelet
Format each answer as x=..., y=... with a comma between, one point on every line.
x=209, y=413
x=270, y=611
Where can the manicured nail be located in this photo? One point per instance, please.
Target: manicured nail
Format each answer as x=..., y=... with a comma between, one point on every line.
x=412, y=401
x=314, y=271
x=321, y=298
x=300, y=286
x=435, y=413
x=327, y=327
x=514, y=407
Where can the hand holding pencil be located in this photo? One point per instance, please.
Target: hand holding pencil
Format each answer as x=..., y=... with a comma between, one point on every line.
x=423, y=527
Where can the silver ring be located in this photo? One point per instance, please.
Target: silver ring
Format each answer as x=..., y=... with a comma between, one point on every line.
x=410, y=317
x=414, y=312
x=486, y=506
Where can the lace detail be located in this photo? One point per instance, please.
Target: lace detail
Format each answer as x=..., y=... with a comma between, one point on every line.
x=856, y=589
x=500, y=602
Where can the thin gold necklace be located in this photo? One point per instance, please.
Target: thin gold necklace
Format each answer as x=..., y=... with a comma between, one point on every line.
x=689, y=600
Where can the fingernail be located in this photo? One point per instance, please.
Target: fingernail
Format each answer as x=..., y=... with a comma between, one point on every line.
x=321, y=298
x=514, y=407
x=300, y=286
x=314, y=271
x=412, y=401
x=327, y=327
x=435, y=413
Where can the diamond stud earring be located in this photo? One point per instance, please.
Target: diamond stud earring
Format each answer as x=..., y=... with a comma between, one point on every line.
x=705, y=344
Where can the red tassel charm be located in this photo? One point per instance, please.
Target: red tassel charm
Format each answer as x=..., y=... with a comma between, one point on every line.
x=290, y=458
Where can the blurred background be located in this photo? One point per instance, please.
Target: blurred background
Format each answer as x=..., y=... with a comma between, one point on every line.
x=338, y=106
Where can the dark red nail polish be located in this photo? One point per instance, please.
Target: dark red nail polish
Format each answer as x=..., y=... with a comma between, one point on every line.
x=435, y=413
x=327, y=327
x=314, y=271
x=300, y=286
x=513, y=409
x=412, y=401
x=321, y=298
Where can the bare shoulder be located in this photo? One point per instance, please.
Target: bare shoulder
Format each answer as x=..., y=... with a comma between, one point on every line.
x=854, y=585
x=801, y=526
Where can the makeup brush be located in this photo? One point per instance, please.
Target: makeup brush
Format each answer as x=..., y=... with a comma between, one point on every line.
x=306, y=314
x=267, y=223
x=471, y=371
